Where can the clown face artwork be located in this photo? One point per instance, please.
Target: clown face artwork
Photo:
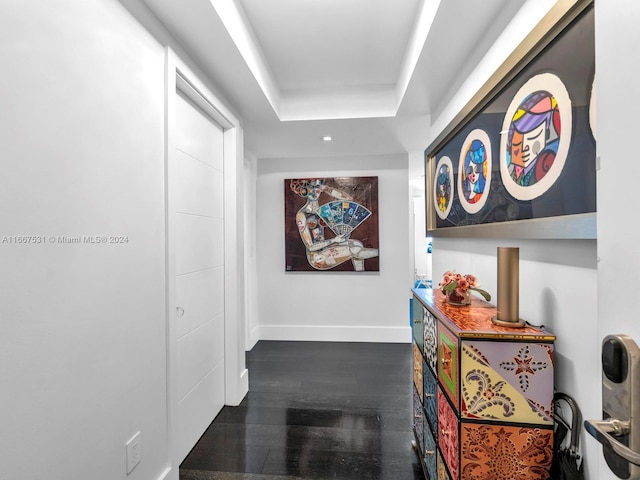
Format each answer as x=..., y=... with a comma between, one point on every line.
x=474, y=169
x=443, y=187
x=535, y=137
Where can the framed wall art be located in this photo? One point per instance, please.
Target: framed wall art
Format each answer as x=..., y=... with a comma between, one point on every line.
x=331, y=224
x=520, y=160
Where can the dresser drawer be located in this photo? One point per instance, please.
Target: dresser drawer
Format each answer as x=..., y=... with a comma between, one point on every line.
x=501, y=451
x=429, y=453
x=448, y=434
x=418, y=420
x=431, y=340
x=417, y=370
x=418, y=323
x=448, y=368
x=507, y=381
x=430, y=399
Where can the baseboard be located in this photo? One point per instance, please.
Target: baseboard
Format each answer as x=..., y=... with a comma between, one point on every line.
x=244, y=384
x=169, y=474
x=254, y=336
x=332, y=333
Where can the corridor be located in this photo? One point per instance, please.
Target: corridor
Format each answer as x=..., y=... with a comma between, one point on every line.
x=315, y=410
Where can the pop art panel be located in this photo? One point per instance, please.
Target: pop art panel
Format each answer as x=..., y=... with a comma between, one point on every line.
x=525, y=145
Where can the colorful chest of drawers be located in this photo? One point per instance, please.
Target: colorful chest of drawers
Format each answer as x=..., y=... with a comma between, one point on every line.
x=483, y=394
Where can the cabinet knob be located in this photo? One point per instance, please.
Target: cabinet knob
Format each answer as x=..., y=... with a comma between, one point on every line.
x=429, y=395
x=417, y=320
x=429, y=452
x=444, y=432
x=417, y=415
x=444, y=361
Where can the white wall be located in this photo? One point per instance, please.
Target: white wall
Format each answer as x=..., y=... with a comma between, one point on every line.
x=82, y=326
x=421, y=260
x=334, y=306
x=251, y=270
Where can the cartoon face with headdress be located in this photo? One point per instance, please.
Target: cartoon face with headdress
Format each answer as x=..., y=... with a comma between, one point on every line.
x=474, y=173
x=443, y=187
x=474, y=167
x=533, y=138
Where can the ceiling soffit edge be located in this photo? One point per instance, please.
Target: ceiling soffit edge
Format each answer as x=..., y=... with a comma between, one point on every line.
x=351, y=102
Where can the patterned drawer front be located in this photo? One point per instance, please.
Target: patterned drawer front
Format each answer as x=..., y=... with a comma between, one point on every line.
x=496, y=452
x=448, y=363
x=431, y=340
x=509, y=381
x=448, y=434
x=429, y=453
x=442, y=470
x=418, y=323
x=431, y=400
x=418, y=420
x=417, y=369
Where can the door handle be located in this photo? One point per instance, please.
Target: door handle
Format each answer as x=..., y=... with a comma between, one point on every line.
x=619, y=431
x=601, y=430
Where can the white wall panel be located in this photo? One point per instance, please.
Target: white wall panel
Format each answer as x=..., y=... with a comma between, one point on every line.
x=199, y=138
x=201, y=297
x=199, y=187
x=198, y=225
x=200, y=243
x=197, y=409
x=199, y=352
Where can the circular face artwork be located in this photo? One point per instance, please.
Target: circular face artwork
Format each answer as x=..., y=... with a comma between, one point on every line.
x=535, y=137
x=474, y=171
x=443, y=187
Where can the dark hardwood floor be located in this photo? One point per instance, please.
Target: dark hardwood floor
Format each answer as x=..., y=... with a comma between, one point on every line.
x=315, y=411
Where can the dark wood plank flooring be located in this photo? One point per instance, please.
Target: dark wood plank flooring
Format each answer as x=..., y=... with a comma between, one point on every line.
x=315, y=411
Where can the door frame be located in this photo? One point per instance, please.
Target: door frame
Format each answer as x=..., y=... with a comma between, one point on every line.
x=179, y=77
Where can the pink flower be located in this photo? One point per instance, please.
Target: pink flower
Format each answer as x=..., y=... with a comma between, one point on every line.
x=473, y=281
x=462, y=287
x=452, y=281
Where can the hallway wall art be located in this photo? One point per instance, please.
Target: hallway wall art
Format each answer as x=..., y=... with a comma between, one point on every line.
x=331, y=224
x=520, y=160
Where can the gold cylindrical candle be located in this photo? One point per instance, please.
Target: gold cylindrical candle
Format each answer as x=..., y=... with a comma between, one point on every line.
x=508, y=288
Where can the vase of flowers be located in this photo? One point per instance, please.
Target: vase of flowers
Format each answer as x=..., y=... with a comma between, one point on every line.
x=457, y=288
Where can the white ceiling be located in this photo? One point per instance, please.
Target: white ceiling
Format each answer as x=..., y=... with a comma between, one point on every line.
x=367, y=72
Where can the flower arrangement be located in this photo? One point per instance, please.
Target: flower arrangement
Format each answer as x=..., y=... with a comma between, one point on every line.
x=459, y=285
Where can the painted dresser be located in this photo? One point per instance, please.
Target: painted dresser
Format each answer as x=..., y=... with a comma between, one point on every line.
x=483, y=394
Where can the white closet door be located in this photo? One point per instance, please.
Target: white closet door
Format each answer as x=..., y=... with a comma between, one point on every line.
x=197, y=189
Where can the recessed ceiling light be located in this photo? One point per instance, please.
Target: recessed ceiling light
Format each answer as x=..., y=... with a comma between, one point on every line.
x=326, y=138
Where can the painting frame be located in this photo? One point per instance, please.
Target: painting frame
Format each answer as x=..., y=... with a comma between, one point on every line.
x=331, y=224
x=578, y=221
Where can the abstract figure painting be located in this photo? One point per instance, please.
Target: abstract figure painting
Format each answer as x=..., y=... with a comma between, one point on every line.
x=331, y=224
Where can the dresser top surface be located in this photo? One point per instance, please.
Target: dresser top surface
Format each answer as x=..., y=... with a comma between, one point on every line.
x=475, y=320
